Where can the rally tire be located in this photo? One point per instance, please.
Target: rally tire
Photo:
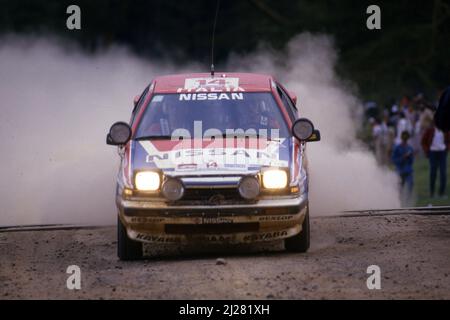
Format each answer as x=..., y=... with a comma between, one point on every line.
x=127, y=249
x=299, y=242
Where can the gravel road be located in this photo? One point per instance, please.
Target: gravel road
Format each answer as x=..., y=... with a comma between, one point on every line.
x=413, y=253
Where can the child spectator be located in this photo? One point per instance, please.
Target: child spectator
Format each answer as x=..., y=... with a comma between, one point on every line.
x=403, y=158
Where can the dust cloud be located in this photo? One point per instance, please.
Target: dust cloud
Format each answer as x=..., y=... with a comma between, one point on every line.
x=57, y=103
x=344, y=173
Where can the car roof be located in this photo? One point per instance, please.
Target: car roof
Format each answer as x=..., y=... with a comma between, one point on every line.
x=204, y=82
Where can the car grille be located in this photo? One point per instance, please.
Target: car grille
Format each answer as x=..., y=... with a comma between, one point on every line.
x=213, y=196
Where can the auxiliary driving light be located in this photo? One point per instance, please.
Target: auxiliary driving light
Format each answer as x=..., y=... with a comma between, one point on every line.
x=147, y=181
x=172, y=189
x=274, y=179
x=249, y=187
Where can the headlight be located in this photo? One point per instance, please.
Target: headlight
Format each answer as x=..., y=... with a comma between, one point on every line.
x=147, y=181
x=274, y=179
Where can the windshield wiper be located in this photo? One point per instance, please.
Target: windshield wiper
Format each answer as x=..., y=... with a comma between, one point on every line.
x=160, y=137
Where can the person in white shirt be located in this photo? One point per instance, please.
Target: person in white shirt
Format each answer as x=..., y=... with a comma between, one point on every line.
x=435, y=144
x=382, y=141
x=403, y=124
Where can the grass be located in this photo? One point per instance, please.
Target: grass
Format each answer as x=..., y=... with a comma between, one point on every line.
x=421, y=184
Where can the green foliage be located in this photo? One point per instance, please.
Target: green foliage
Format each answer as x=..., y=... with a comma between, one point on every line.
x=409, y=54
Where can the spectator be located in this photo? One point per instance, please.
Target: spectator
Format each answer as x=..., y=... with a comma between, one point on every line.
x=442, y=116
x=403, y=124
x=435, y=144
x=405, y=102
x=411, y=114
x=394, y=115
x=371, y=109
x=382, y=140
x=403, y=158
x=425, y=118
x=424, y=122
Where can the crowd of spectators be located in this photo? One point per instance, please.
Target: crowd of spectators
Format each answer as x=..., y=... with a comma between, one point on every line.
x=405, y=130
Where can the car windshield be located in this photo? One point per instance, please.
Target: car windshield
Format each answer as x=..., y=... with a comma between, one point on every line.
x=213, y=114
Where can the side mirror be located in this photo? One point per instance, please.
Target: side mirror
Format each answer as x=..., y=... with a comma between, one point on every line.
x=293, y=97
x=314, y=137
x=136, y=100
x=303, y=130
x=119, y=134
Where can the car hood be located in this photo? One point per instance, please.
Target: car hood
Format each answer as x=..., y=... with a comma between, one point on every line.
x=222, y=156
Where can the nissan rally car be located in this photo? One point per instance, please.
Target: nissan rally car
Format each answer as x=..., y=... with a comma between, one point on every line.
x=212, y=158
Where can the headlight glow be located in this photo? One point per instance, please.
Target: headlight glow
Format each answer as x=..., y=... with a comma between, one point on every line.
x=275, y=179
x=147, y=181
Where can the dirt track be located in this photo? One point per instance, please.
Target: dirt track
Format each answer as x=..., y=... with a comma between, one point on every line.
x=413, y=253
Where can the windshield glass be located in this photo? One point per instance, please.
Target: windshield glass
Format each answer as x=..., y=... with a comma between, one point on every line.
x=212, y=113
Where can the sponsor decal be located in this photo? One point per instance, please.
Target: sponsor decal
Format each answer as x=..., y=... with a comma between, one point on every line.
x=211, y=85
x=146, y=220
x=276, y=218
x=236, y=166
x=215, y=220
x=210, y=96
x=233, y=157
x=211, y=164
x=214, y=238
x=266, y=236
x=187, y=166
x=217, y=238
x=157, y=238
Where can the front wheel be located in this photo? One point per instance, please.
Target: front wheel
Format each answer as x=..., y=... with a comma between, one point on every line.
x=299, y=242
x=127, y=249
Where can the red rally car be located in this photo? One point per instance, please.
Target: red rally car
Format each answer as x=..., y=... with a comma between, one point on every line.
x=212, y=158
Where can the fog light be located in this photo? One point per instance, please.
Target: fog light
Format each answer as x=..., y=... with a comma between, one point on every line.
x=249, y=187
x=172, y=189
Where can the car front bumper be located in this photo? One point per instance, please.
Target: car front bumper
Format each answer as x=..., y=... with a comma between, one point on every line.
x=159, y=222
